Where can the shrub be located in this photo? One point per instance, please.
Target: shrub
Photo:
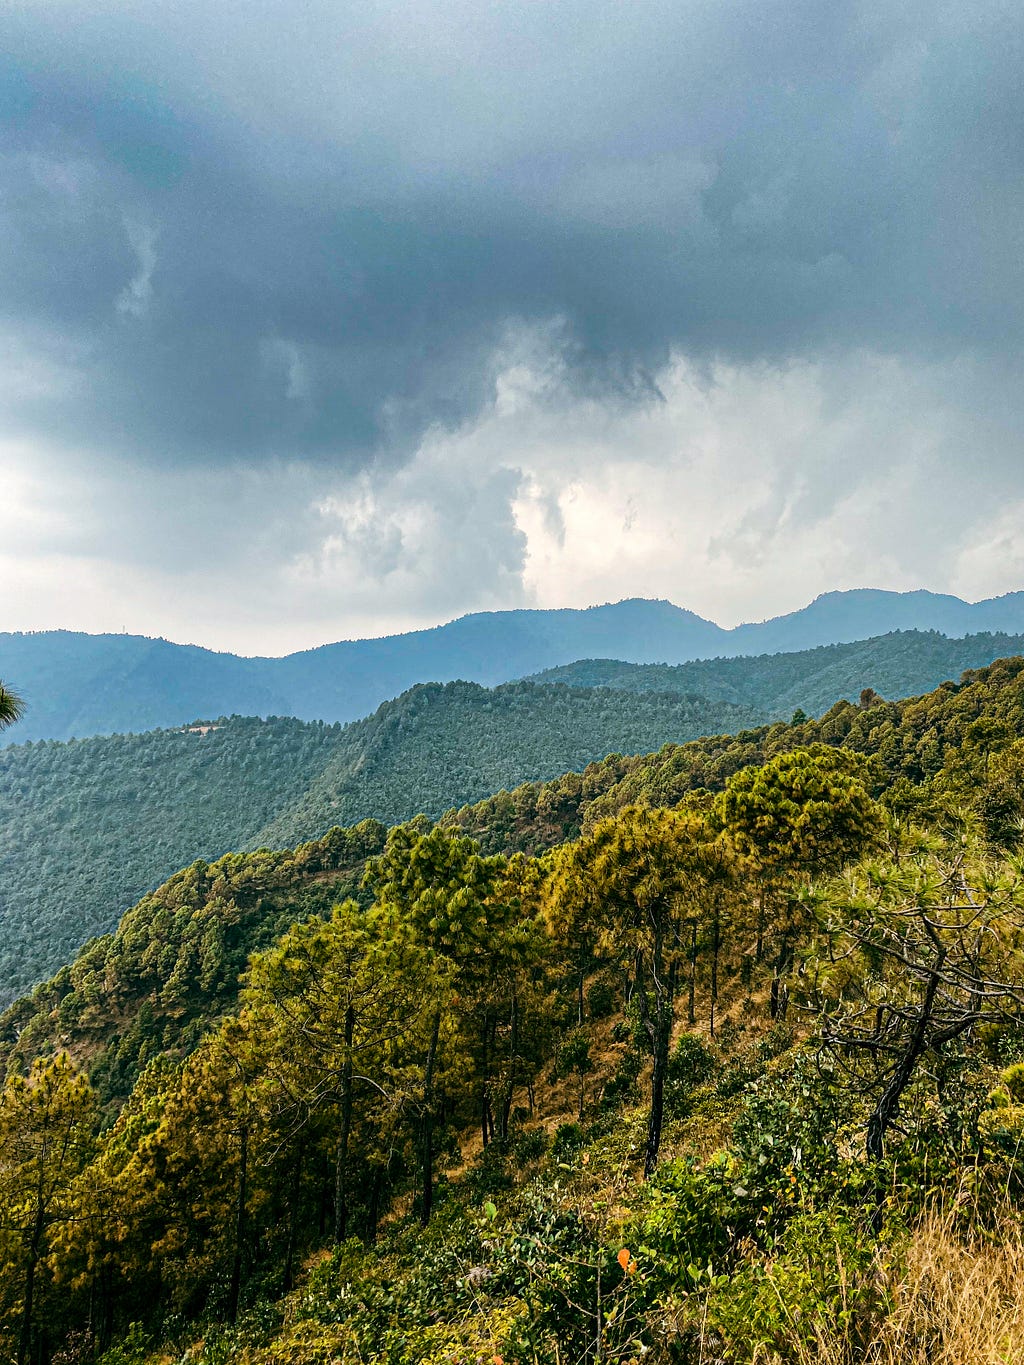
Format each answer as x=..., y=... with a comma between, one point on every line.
x=691, y=1065
x=601, y=999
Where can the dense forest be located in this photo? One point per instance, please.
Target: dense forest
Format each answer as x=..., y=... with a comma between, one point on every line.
x=714, y=1054
x=86, y=827
x=441, y=746
x=901, y=664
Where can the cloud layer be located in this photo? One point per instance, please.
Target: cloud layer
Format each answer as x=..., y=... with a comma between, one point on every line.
x=337, y=319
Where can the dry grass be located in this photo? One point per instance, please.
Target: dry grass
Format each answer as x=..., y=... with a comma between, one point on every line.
x=951, y=1302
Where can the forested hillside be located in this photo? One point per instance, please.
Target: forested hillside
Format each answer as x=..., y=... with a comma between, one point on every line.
x=442, y=746
x=964, y=739
x=727, y=1067
x=961, y=744
x=901, y=664
x=86, y=827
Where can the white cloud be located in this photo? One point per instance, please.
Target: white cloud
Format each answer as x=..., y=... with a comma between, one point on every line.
x=993, y=556
x=137, y=294
x=741, y=491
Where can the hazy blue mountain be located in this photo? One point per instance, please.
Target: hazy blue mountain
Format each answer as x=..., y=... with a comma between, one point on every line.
x=838, y=617
x=80, y=685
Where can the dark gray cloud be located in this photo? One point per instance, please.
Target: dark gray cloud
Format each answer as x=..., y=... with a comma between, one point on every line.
x=329, y=318
x=269, y=232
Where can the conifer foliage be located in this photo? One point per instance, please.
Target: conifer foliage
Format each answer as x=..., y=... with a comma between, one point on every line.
x=683, y=1085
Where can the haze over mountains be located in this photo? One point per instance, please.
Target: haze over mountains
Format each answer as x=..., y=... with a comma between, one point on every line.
x=80, y=685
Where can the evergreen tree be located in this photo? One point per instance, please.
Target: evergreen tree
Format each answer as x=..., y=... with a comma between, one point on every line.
x=46, y=1139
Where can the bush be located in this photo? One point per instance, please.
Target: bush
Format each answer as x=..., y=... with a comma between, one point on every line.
x=568, y=1139
x=691, y=1065
x=601, y=999
x=622, y=1085
x=818, y=1280
x=529, y=1146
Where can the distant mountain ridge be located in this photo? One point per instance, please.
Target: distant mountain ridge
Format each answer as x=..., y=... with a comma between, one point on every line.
x=900, y=664
x=79, y=685
x=87, y=826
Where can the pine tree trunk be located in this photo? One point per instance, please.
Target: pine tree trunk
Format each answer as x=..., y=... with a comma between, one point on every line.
x=341, y=1160
x=236, y=1257
x=510, y=1086
x=659, y=1031
x=428, y=1124
x=485, y=1102
x=691, y=1007
x=759, y=950
x=293, y=1219
x=31, y=1263
x=373, y=1208
x=662, y=1036
x=889, y=1102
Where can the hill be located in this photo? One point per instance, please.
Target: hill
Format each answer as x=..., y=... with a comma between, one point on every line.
x=87, y=826
x=900, y=664
x=80, y=685
x=715, y=1076
x=165, y=963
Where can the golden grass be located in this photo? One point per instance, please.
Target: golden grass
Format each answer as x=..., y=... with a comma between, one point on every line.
x=950, y=1301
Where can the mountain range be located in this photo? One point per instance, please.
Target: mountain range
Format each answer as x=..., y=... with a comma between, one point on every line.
x=80, y=685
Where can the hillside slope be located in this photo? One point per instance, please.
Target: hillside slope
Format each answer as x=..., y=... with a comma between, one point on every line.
x=439, y=746
x=174, y=959
x=80, y=685
x=86, y=827
x=900, y=664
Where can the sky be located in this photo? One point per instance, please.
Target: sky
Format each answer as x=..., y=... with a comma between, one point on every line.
x=329, y=319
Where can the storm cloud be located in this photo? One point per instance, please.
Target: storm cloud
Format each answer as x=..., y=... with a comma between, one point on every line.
x=360, y=306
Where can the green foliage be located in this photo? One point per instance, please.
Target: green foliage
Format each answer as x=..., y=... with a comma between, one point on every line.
x=438, y=747
x=816, y=1279
x=901, y=664
x=693, y=1219
x=87, y=826
x=174, y=963
x=414, y=1021
x=691, y=1065
x=806, y=809
x=11, y=706
x=85, y=829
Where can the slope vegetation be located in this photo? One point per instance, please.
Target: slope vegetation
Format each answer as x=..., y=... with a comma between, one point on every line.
x=175, y=957
x=443, y=746
x=737, y=1081
x=86, y=827
x=901, y=664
